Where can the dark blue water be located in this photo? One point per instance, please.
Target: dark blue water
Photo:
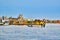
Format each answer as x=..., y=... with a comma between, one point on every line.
x=50, y=32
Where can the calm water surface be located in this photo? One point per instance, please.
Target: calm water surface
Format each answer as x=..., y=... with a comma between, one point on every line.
x=50, y=32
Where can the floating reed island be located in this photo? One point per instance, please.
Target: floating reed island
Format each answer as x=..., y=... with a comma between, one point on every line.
x=4, y=20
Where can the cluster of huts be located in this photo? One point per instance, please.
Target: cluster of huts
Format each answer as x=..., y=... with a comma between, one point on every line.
x=4, y=20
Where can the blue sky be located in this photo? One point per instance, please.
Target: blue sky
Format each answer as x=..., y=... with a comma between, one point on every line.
x=49, y=9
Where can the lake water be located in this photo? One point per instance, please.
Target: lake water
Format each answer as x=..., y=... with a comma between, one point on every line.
x=14, y=32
